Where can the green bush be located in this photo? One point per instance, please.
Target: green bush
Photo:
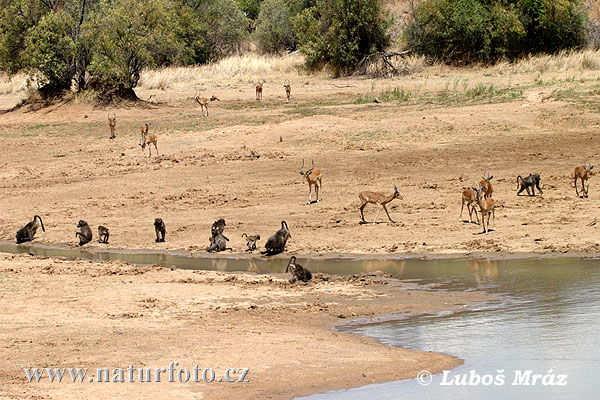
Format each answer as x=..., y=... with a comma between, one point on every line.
x=341, y=32
x=274, y=29
x=228, y=27
x=486, y=31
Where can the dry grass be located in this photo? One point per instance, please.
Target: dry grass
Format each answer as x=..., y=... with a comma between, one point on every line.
x=563, y=61
x=12, y=84
x=247, y=68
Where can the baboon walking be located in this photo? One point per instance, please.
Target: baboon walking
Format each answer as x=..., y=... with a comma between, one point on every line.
x=529, y=183
x=26, y=233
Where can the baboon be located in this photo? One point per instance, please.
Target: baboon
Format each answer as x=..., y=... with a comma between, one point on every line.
x=217, y=243
x=218, y=227
x=486, y=184
x=532, y=181
x=103, y=234
x=298, y=271
x=26, y=233
x=84, y=234
x=112, y=122
x=159, y=228
x=368, y=197
x=276, y=243
x=259, y=87
x=584, y=173
x=288, y=90
x=251, y=241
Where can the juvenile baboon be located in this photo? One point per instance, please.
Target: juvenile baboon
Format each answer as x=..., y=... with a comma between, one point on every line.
x=259, y=88
x=288, y=90
x=251, y=241
x=584, y=173
x=26, y=233
x=159, y=228
x=84, y=234
x=276, y=243
x=368, y=197
x=486, y=184
x=112, y=122
x=532, y=181
x=103, y=234
x=218, y=227
x=203, y=101
x=298, y=271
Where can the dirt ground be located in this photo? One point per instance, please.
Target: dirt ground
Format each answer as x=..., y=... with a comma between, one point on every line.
x=65, y=313
x=59, y=163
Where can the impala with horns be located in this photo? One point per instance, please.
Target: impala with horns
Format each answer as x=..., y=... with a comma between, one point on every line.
x=486, y=185
x=486, y=207
x=368, y=197
x=583, y=172
x=313, y=177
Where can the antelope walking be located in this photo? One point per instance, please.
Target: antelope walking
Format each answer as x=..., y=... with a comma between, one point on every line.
x=112, y=122
x=148, y=140
x=313, y=177
x=288, y=90
x=486, y=207
x=259, y=87
x=584, y=173
x=368, y=197
x=469, y=196
x=203, y=101
x=486, y=185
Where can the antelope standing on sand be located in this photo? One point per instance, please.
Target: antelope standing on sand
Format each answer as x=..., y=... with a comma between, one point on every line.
x=259, y=87
x=203, y=101
x=583, y=172
x=313, y=177
x=486, y=185
x=469, y=196
x=368, y=197
x=112, y=122
x=148, y=140
x=486, y=207
x=288, y=90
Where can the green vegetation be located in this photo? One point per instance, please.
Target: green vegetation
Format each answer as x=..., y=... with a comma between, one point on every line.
x=273, y=27
x=487, y=31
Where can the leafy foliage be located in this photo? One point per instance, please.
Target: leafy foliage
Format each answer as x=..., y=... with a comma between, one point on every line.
x=274, y=29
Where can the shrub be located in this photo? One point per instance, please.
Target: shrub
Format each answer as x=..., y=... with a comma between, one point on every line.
x=228, y=27
x=341, y=32
x=273, y=28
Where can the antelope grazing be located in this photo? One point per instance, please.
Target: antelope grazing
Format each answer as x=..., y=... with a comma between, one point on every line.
x=486, y=207
x=203, y=101
x=148, y=140
x=288, y=90
x=468, y=196
x=259, y=87
x=486, y=184
x=583, y=172
x=313, y=177
x=368, y=197
x=112, y=122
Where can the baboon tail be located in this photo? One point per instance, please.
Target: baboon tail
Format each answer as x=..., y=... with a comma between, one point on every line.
x=41, y=222
x=308, y=275
x=518, y=185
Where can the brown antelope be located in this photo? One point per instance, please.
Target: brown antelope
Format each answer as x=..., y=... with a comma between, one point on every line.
x=112, y=122
x=203, y=101
x=368, y=197
x=486, y=207
x=259, y=87
x=148, y=140
x=486, y=184
x=313, y=177
x=584, y=173
x=468, y=196
x=288, y=90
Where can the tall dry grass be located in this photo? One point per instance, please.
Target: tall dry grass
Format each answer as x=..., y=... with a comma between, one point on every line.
x=243, y=69
x=13, y=84
x=564, y=61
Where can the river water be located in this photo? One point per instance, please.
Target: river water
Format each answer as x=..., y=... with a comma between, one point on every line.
x=547, y=324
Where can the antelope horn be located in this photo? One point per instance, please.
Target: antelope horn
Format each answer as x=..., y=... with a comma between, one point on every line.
x=313, y=164
x=302, y=164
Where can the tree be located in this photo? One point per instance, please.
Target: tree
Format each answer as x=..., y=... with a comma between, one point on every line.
x=341, y=32
x=228, y=27
x=273, y=28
